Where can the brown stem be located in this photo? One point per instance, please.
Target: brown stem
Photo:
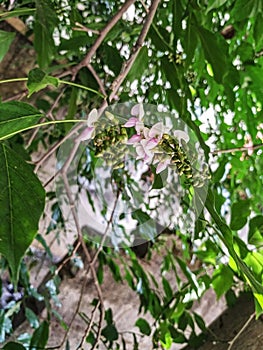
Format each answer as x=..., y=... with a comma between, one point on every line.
x=238, y=149
x=128, y=64
x=86, y=61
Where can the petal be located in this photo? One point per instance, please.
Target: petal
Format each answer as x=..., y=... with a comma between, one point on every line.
x=139, y=127
x=92, y=117
x=138, y=111
x=148, y=158
x=131, y=122
x=160, y=167
x=140, y=152
x=151, y=144
x=181, y=135
x=146, y=132
x=134, y=139
x=87, y=134
x=157, y=130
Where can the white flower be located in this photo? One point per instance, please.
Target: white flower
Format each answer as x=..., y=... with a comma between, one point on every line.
x=181, y=135
x=157, y=130
x=88, y=133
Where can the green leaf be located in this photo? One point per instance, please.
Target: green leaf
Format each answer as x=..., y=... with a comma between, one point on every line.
x=16, y=116
x=112, y=58
x=110, y=332
x=147, y=226
x=200, y=322
x=159, y=180
x=258, y=33
x=214, y=5
x=17, y=12
x=13, y=346
x=6, y=39
x=139, y=66
x=226, y=237
x=188, y=274
x=178, y=337
x=31, y=317
x=144, y=326
x=75, y=43
x=255, y=233
x=222, y=280
x=45, y=22
x=167, y=288
x=244, y=9
x=169, y=70
x=220, y=171
x=22, y=200
x=40, y=337
x=38, y=80
x=215, y=50
x=239, y=213
x=190, y=41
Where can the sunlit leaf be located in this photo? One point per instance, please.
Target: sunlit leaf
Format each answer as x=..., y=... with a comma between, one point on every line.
x=38, y=80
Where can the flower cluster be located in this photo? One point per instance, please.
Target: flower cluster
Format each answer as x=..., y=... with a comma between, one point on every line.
x=151, y=143
x=108, y=138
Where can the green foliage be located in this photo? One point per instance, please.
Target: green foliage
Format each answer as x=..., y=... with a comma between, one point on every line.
x=13, y=346
x=21, y=211
x=202, y=60
x=38, y=80
x=6, y=39
x=40, y=337
x=15, y=117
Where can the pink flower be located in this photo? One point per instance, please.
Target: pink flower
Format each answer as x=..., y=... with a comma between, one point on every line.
x=157, y=130
x=137, y=113
x=89, y=132
x=134, y=139
x=131, y=122
x=144, y=152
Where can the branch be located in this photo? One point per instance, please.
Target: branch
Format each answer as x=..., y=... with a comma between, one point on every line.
x=86, y=61
x=238, y=149
x=128, y=64
x=231, y=343
x=97, y=78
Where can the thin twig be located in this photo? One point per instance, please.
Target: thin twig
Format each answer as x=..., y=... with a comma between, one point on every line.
x=49, y=115
x=80, y=237
x=86, y=61
x=238, y=149
x=82, y=28
x=55, y=147
x=84, y=284
x=128, y=64
x=106, y=230
x=97, y=78
x=231, y=343
x=88, y=329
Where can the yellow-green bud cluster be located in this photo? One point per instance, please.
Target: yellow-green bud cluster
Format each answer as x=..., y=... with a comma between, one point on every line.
x=182, y=163
x=110, y=144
